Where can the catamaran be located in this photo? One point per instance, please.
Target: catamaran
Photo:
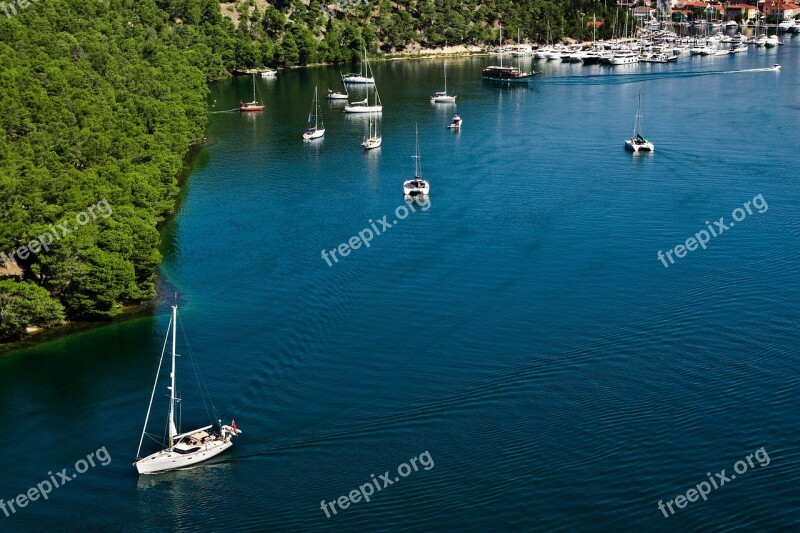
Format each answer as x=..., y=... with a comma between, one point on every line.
x=255, y=105
x=182, y=449
x=318, y=129
x=416, y=186
x=637, y=143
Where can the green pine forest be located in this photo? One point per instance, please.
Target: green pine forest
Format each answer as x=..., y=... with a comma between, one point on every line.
x=103, y=99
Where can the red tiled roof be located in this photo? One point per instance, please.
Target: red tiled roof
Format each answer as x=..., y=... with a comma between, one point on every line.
x=740, y=6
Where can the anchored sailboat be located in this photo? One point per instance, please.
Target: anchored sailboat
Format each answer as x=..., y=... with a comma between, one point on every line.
x=441, y=97
x=637, y=143
x=373, y=139
x=182, y=449
x=364, y=75
x=255, y=105
x=316, y=131
x=416, y=186
x=364, y=106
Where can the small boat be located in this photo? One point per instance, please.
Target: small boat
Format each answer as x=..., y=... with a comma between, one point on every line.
x=786, y=25
x=255, y=105
x=637, y=143
x=182, y=449
x=739, y=49
x=416, y=186
x=775, y=67
x=731, y=25
x=772, y=41
x=456, y=124
x=318, y=129
x=373, y=139
x=269, y=73
x=332, y=95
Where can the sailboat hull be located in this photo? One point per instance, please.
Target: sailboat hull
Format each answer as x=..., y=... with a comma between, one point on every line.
x=314, y=134
x=352, y=109
x=633, y=146
x=361, y=80
x=443, y=99
x=166, y=460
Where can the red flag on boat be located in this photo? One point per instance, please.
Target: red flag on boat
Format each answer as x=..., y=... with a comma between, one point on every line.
x=233, y=425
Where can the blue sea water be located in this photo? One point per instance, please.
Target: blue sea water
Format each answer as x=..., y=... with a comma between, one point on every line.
x=521, y=329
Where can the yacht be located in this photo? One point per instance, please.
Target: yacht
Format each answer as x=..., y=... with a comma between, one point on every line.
x=373, y=139
x=269, y=73
x=182, y=449
x=772, y=41
x=441, y=97
x=254, y=105
x=637, y=143
x=505, y=74
x=318, y=129
x=731, y=25
x=624, y=57
x=363, y=76
x=786, y=25
x=416, y=186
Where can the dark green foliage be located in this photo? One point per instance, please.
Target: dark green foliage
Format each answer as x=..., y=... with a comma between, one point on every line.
x=24, y=305
x=101, y=100
x=290, y=33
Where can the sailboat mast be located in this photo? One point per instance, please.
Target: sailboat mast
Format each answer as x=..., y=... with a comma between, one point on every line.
x=254, y=87
x=501, y=45
x=172, y=430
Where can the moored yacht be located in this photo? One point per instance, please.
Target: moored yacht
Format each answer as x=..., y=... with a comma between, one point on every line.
x=637, y=143
x=416, y=186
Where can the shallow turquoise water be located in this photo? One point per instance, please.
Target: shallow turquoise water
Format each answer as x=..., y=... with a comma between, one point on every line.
x=521, y=330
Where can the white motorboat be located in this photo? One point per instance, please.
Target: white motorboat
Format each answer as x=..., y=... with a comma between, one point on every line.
x=318, y=129
x=624, y=57
x=731, y=25
x=269, y=73
x=637, y=142
x=456, y=123
x=182, y=449
x=772, y=41
x=738, y=49
x=416, y=186
x=332, y=95
x=786, y=25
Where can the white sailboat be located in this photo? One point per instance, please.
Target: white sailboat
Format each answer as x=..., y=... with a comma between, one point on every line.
x=637, y=143
x=182, y=449
x=416, y=186
x=441, y=97
x=317, y=130
x=364, y=106
x=364, y=75
x=373, y=139
x=335, y=95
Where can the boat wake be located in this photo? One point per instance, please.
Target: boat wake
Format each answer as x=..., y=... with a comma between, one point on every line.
x=621, y=79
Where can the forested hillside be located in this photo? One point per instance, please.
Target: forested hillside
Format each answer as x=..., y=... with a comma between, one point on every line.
x=299, y=32
x=102, y=99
